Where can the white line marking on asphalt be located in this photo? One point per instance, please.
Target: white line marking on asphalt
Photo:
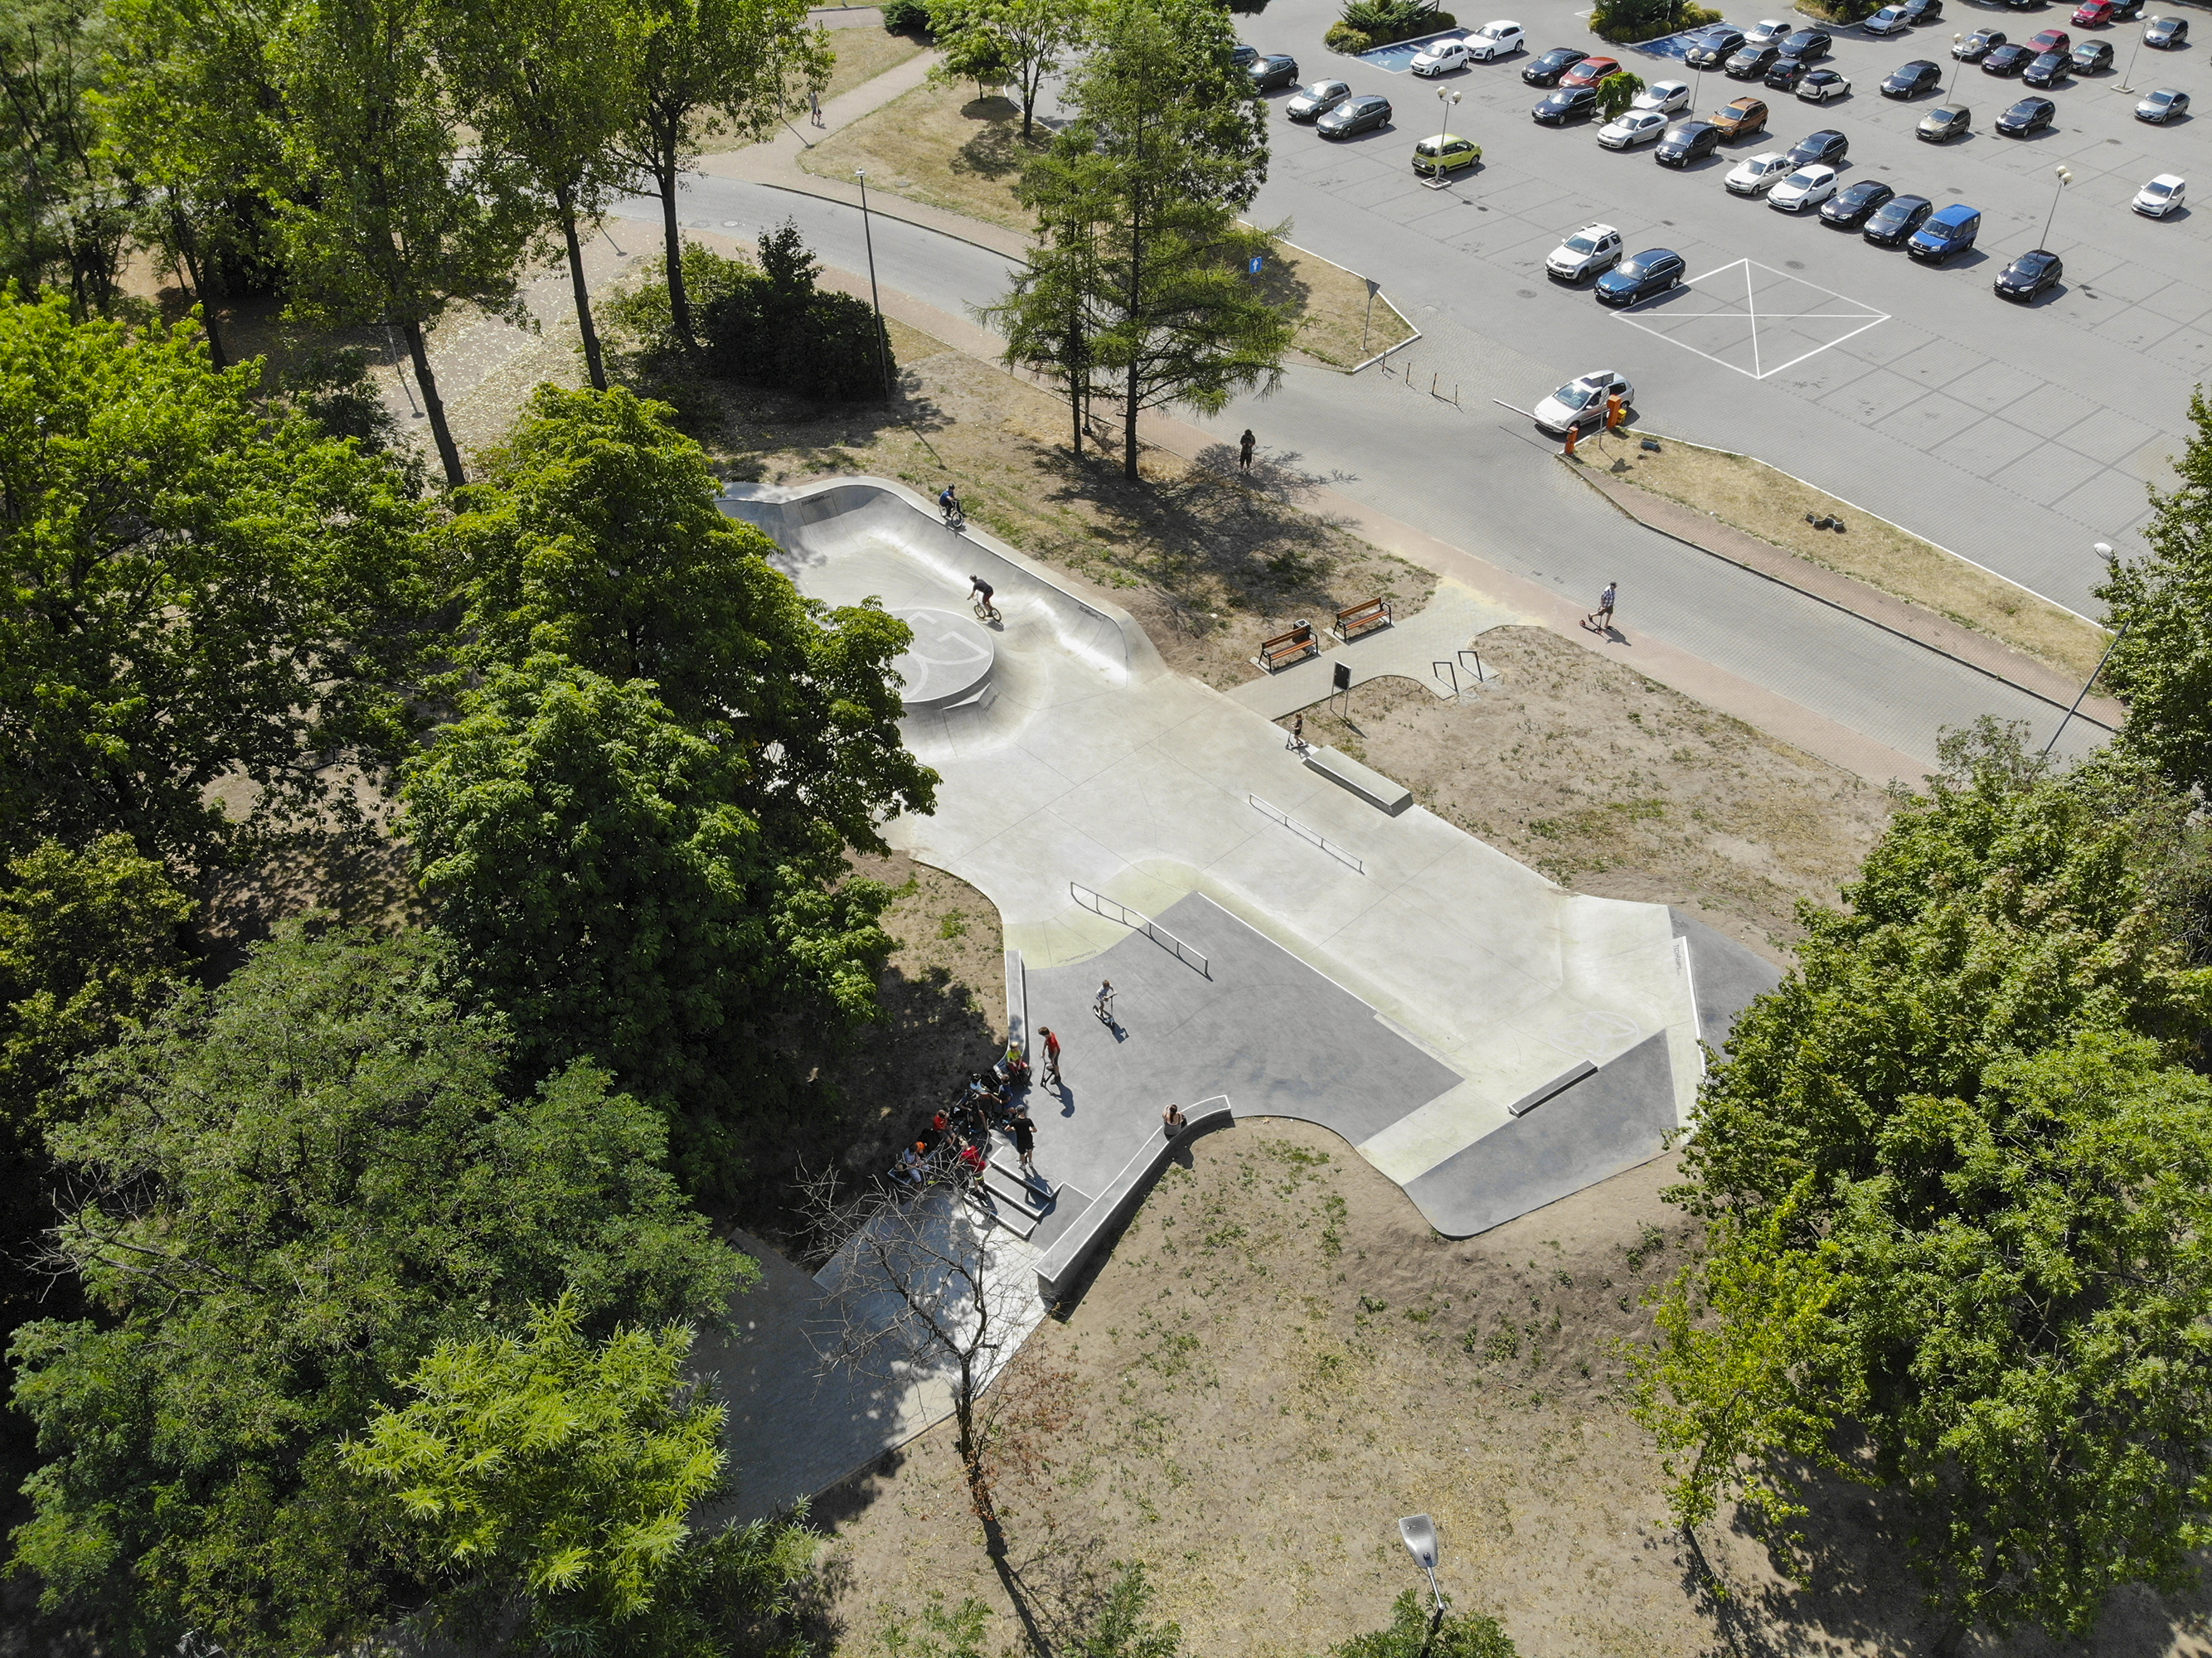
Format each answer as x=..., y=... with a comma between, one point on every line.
x=1749, y=315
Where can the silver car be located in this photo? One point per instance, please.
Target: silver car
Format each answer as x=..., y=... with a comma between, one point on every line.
x=1316, y=101
x=1592, y=250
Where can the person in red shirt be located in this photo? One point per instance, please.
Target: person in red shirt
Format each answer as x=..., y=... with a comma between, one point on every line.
x=1051, y=1057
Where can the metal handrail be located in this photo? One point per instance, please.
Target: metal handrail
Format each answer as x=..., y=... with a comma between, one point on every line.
x=1098, y=903
x=1314, y=836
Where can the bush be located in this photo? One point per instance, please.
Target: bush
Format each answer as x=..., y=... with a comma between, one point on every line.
x=1624, y=22
x=1407, y=1636
x=906, y=17
x=1342, y=37
x=1369, y=23
x=775, y=328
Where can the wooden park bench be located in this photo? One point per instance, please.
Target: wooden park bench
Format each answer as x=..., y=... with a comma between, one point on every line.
x=1283, y=649
x=1365, y=617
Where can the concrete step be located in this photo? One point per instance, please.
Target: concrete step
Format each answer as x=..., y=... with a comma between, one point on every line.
x=1040, y=1191
x=1016, y=1219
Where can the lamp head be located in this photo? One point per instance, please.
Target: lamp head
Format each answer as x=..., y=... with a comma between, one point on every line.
x=2104, y=551
x=1420, y=1535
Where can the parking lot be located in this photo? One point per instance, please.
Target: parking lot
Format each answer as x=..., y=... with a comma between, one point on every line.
x=2016, y=435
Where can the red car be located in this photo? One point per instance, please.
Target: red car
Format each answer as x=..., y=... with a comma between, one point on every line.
x=1589, y=72
x=2093, y=13
x=2051, y=40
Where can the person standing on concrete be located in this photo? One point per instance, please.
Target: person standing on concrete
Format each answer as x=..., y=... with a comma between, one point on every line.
x=1103, y=1003
x=1172, y=1121
x=1051, y=1057
x=1298, y=733
x=1245, y=445
x=1601, y=619
x=1025, y=1137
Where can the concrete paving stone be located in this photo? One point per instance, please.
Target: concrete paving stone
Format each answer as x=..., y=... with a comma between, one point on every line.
x=2154, y=461
x=2049, y=409
x=1928, y=422
x=1999, y=387
x=2106, y=436
x=2107, y=501
x=1991, y=443
x=2046, y=474
x=2182, y=302
x=2132, y=282
x=1897, y=338
x=2135, y=329
x=1938, y=362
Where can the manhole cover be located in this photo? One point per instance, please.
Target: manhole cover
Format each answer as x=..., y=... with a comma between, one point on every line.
x=1794, y=264
x=951, y=655
x=1526, y=292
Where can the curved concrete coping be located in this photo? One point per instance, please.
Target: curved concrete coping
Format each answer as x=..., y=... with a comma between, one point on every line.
x=1059, y=1266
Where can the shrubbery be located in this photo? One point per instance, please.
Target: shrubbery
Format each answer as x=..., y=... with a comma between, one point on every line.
x=1369, y=23
x=906, y=17
x=1624, y=23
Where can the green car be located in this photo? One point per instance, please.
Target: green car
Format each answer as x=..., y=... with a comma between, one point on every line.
x=1435, y=157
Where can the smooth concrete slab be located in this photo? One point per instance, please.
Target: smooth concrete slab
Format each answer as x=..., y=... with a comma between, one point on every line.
x=1726, y=977
x=1382, y=792
x=1411, y=647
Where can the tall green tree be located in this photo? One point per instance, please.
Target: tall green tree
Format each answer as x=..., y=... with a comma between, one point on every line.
x=390, y=211
x=1027, y=39
x=1955, y=1173
x=708, y=69
x=68, y=212
x=2161, y=666
x=1616, y=92
x=1168, y=143
x=199, y=591
x=554, y=1475
x=290, y=1190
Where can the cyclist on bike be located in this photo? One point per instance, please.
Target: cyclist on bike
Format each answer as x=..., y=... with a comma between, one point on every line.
x=949, y=505
x=979, y=594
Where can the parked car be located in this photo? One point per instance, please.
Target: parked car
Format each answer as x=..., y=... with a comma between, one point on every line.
x=1441, y=57
x=1787, y=74
x=1545, y=71
x=1243, y=56
x=1590, y=71
x=1494, y=40
x=1848, y=208
x=1590, y=252
x=1945, y=233
x=1825, y=147
x=1977, y=45
x=2026, y=118
x=1807, y=46
x=2163, y=105
x=2048, y=70
x=1924, y=11
x=1563, y=104
x=1362, y=114
x=1686, y=142
x=2092, y=56
x=1271, y=72
x=2160, y=196
x=1890, y=19
x=2167, y=33
x=1641, y=276
x=1896, y=219
x=1664, y=96
x=2030, y=276
x=1445, y=153
x=1714, y=47
x=1316, y=101
x=1910, y=80
x=1750, y=63
x=1808, y=187
x=1822, y=84
x=1942, y=124
x=1583, y=401
x=2096, y=14
x=1767, y=32
x=1757, y=175
x=2007, y=59
x=1745, y=117
x=2050, y=40
x=1637, y=126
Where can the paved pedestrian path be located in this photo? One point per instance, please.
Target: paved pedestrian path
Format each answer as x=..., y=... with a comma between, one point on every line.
x=1412, y=648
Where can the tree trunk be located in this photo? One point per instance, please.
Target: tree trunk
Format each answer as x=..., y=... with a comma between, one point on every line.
x=679, y=300
x=434, y=408
x=196, y=273
x=592, y=363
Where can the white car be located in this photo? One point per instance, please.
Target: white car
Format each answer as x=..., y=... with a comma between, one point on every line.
x=1759, y=174
x=1592, y=249
x=1441, y=57
x=2160, y=196
x=1582, y=402
x=1767, y=32
x=1664, y=96
x=1890, y=19
x=1495, y=40
x=1638, y=126
x=1808, y=187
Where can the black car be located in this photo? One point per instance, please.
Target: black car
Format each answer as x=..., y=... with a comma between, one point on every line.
x=2007, y=59
x=1545, y=71
x=1244, y=56
x=2028, y=115
x=1686, y=142
x=2167, y=33
x=1921, y=12
x=1910, y=80
x=1566, y=105
x=2028, y=277
x=2048, y=70
x=1749, y=63
x=1271, y=72
x=1978, y=45
x=2093, y=56
x=1824, y=147
x=1897, y=219
x=1359, y=114
x=1713, y=48
x=1786, y=73
x=1849, y=207
x=1640, y=276
x=1807, y=46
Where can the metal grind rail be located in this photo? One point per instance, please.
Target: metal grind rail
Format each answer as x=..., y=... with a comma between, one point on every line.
x=1315, y=836
x=1099, y=904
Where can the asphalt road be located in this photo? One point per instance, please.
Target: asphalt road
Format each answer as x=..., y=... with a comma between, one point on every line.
x=2016, y=436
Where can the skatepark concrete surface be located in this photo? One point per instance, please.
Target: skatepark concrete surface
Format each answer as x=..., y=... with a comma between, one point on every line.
x=1389, y=977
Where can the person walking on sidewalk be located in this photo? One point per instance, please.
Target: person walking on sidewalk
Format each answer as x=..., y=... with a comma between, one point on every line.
x=1298, y=733
x=1024, y=1136
x=1601, y=619
x=814, y=105
x=1051, y=1057
x=1245, y=445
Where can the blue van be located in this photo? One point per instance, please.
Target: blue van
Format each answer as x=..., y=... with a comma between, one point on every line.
x=1948, y=231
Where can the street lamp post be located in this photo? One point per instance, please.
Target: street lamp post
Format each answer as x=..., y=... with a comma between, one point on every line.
x=1957, y=40
x=2065, y=179
x=2128, y=85
x=875, y=297
x=1419, y=1533
x=2104, y=551
x=1446, y=98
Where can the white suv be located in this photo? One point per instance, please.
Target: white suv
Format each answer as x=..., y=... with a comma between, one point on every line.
x=1441, y=57
x=1495, y=40
x=1590, y=250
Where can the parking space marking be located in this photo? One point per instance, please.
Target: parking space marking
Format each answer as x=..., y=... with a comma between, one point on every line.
x=1801, y=333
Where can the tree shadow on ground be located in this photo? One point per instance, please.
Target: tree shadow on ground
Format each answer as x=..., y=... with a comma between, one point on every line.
x=999, y=151
x=355, y=874
x=744, y=422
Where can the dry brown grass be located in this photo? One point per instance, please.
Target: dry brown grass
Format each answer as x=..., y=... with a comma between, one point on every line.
x=1764, y=503
x=862, y=54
